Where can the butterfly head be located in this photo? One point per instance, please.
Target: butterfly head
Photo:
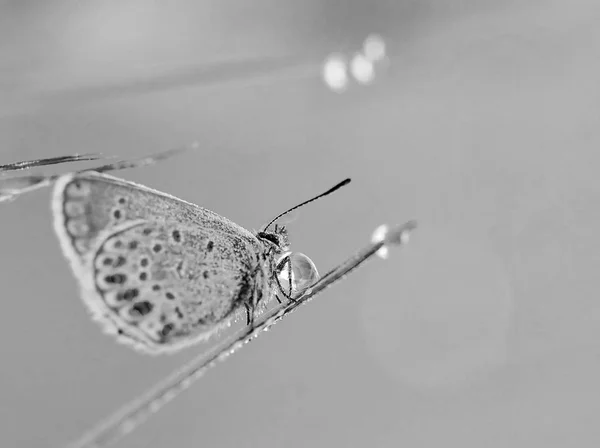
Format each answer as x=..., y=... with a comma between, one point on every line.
x=293, y=272
x=293, y=269
x=275, y=240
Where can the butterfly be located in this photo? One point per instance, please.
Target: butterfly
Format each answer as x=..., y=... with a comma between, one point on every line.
x=159, y=273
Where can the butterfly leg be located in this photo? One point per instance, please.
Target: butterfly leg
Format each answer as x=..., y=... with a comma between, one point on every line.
x=289, y=263
x=248, y=314
x=287, y=294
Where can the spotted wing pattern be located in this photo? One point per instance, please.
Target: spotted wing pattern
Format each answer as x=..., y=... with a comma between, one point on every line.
x=158, y=272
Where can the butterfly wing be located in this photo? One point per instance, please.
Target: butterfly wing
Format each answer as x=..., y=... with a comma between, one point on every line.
x=112, y=201
x=157, y=271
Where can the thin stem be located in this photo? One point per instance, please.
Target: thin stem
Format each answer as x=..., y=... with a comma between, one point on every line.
x=139, y=410
x=12, y=187
x=27, y=164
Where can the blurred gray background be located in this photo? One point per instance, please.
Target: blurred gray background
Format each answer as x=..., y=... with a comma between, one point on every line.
x=484, y=331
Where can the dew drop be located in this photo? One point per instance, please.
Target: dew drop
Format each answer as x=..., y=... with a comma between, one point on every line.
x=378, y=236
x=304, y=273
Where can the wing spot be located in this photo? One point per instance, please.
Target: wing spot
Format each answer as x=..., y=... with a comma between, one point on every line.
x=157, y=248
x=117, y=214
x=180, y=269
x=170, y=295
x=133, y=244
x=147, y=231
x=81, y=246
x=156, y=287
x=166, y=329
x=143, y=276
x=107, y=261
x=77, y=228
x=120, y=261
x=74, y=209
x=122, y=200
x=116, y=279
x=205, y=274
x=76, y=188
x=144, y=262
x=176, y=236
x=128, y=295
x=142, y=308
x=209, y=246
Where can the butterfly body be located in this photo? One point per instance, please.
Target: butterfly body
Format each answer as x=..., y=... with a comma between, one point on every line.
x=159, y=272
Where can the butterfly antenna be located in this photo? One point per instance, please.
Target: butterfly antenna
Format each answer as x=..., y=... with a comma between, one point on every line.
x=331, y=190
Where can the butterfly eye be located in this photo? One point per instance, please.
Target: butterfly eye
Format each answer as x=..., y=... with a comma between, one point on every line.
x=304, y=273
x=269, y=237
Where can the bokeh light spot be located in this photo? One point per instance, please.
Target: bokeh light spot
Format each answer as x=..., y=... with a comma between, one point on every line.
x=374, y=48
x=362, y=69
x=335, y=72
